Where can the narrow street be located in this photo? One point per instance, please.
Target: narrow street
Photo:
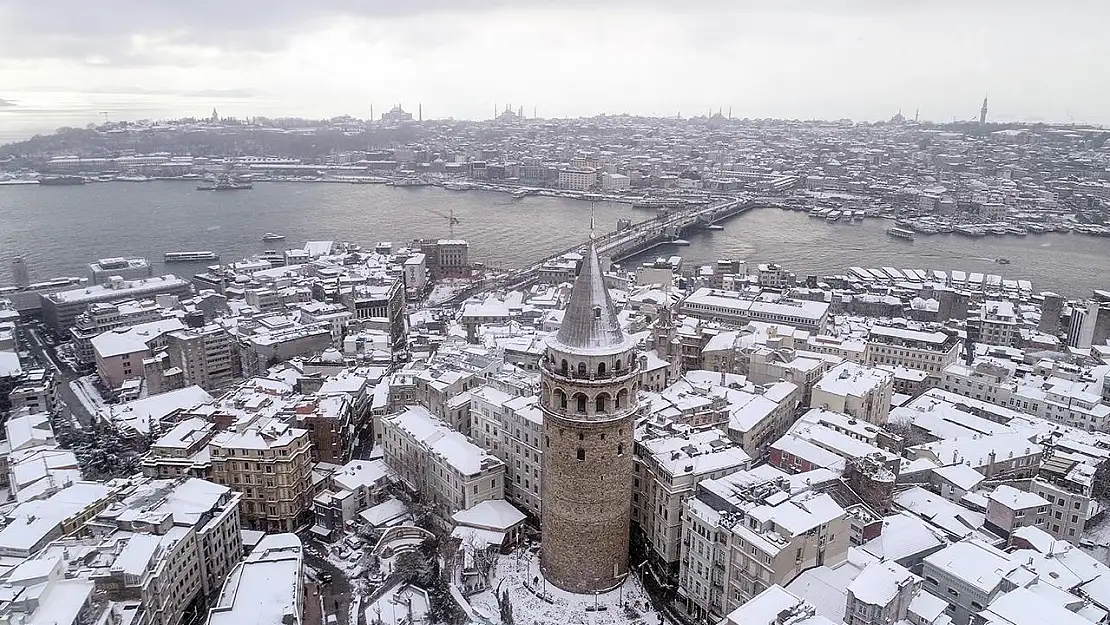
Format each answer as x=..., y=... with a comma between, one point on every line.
x=336, y=593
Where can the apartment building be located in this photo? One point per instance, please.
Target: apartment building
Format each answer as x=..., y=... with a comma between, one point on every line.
x=270, y=463
x=1009, y=509
x=1052, y=390
x=195, y=523
x=119, y=353
x=577, y=179
x=970, y=574
x=997, y=324
x=747, y=531
x=181, y=451
x=511, y=428
x=913, y=349
x=330, y=421
x=102, y=317
x=669, y=462
x=448, y=470
x=207, y=357
x=856, y=390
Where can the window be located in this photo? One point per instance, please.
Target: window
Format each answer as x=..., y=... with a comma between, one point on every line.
x=560, y=399
x=601, y=403
x=581, y=454
x=581, y=369
x=563, y=367
x=620, y=450
x=953, y=592
x=600, y=369
x=580, y=399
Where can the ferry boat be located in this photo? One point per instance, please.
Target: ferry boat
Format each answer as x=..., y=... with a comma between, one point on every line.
x=458, y=185
x=190, y=257
x=410, y=181
x=833, y=216
x=270, y=236
x=59, y=181
x=715, y=227
x=901, y=233
x=520, y=194
x=224, y=183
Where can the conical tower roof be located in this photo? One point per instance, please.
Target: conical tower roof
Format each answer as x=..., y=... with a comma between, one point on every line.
x=590, y=324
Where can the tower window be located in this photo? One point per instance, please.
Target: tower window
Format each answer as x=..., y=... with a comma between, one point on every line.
x=581, y=369
x=564, y=367
x=581, y=453
x=600, y=369
x=620, y=449
x=597, y=312
x=560, y=399
x=581, y=436
x=601, y=403
x=580, y=399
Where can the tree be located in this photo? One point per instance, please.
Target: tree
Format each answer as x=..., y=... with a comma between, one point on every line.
x=506, y=607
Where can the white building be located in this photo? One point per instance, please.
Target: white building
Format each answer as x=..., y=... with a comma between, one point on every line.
x=447, y=469
x=855, y=390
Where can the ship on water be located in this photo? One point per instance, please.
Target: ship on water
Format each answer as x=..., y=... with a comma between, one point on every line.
x=224, y=183
x=270, y=236
x=901, y=233
x=190, y=257
x=61, y=181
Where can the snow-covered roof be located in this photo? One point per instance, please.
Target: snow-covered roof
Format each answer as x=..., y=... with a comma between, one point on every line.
x=265, y=588
x=492, y=514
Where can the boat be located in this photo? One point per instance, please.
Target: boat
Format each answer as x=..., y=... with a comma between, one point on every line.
x=714, y=227
x=833, y=216
x=520, y=194
x=190, y=257
x=679, y=242
x=901, y=233
x=410, y=181
x=270, y=236
x=224, y=183
x=134, y=178
x=61, y=181
x=1002, y=261
x=458, y=185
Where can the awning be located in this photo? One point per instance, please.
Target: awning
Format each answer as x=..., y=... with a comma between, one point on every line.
x=321, y=531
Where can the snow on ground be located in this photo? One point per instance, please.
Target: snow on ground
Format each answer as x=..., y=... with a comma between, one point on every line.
x=1096, y=541
x=445, y=290
x=87, y=394
x=400, y=604
x=519, y=574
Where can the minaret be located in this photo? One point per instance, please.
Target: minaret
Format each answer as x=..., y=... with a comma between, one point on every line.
x=419, y=111
x=590, y=378
x=983, y=112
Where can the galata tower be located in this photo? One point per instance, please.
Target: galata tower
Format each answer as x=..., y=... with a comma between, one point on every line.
x=590, y=380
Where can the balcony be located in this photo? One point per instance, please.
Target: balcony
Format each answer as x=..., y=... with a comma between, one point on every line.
x=589, y=376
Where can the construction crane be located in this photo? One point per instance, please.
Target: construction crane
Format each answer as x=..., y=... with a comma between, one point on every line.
x=450, y=217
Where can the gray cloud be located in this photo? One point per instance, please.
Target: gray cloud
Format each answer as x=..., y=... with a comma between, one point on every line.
x=103, y=29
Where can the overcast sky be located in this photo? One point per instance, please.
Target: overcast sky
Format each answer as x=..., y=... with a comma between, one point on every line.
x=864, y=59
